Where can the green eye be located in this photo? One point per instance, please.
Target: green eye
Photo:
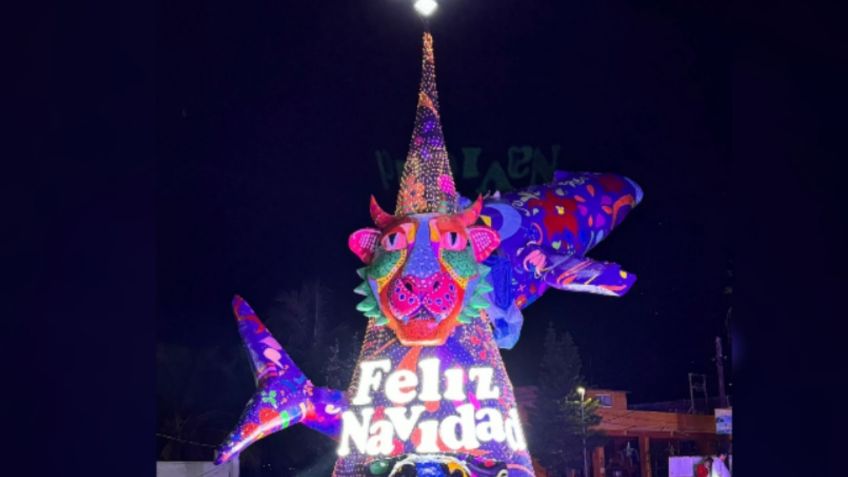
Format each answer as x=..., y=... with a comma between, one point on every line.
x=379, y=467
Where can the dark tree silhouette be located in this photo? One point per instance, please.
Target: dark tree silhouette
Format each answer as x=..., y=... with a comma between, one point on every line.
x=556, y=429
x=201, y=390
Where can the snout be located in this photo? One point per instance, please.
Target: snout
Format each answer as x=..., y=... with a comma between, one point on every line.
x=429, y=298
x=637, y=190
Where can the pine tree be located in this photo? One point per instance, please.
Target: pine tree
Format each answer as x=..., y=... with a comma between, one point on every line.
x=333, y=368
x=352, y=359
x=556, y=428
x=299, y=317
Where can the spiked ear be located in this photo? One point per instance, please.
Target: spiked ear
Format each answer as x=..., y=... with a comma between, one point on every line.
x=484, y=241
x=469, y=215
x=363, y=243
x=380, y=217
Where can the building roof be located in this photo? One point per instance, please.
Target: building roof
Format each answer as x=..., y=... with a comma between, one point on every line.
x=666, y=421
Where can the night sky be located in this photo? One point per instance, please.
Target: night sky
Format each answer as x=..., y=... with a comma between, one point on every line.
x=270, y=114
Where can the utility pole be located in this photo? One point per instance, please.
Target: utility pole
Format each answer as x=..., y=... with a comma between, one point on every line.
x=719, y=359
x=582, y=392
x=728, y=291
x=730, y=349
x=697, y=382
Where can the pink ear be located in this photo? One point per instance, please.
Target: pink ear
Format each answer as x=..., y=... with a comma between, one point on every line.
x=363, y=243
x=484, y=241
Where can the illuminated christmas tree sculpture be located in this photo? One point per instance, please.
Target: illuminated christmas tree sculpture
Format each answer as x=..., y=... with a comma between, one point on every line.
x=444, y=282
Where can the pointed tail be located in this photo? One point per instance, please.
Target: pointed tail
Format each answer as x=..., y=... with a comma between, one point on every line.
x=284, y=396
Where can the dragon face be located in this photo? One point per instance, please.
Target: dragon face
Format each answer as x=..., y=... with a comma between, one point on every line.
x=424, y=274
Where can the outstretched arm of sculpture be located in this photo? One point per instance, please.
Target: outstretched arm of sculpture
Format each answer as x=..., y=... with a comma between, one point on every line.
x=284, y=396
x=545, y=232
x=581, y=274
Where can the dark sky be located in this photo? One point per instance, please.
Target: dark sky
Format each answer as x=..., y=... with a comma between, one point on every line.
x=270, y=114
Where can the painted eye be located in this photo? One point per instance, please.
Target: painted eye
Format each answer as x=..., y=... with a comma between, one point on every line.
x=393, y=241
x=453, y=241
x=379, y=467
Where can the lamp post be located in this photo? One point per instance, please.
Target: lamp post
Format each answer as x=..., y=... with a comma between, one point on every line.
x=582, y=391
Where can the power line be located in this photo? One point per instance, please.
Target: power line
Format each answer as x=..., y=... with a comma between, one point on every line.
x=194, y=443
x=214, y=469
x=185, y=441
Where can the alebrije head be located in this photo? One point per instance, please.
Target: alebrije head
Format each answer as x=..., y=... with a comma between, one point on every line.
x=424, y=273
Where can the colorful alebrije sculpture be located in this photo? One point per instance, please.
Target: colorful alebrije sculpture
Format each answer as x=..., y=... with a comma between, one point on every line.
x=444, y=281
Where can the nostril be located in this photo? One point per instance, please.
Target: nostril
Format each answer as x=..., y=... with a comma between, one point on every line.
x=408, y=286
x=436, y=285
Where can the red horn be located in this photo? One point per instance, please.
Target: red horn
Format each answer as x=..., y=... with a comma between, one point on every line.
x=469, y=216
x=380, y=217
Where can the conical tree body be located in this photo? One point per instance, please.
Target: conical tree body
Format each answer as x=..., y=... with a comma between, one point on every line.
x=427, y=184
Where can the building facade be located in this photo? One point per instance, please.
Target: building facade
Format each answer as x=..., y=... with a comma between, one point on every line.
x=641, y=441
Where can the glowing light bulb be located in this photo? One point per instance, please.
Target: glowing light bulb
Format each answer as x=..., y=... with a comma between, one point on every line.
x=426, y=7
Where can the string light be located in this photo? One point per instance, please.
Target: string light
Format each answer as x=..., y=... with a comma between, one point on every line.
x=427, y=184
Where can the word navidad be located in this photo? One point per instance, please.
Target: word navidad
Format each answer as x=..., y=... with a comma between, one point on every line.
x=466, y=429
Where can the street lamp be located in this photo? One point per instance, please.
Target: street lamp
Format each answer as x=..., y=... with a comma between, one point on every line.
x=426, y=7
x=582, y=391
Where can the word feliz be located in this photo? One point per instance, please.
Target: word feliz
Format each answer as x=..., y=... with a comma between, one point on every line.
x=466, y=429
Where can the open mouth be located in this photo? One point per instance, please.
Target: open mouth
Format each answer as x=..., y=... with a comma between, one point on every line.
x=422, y=326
